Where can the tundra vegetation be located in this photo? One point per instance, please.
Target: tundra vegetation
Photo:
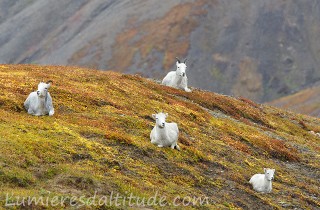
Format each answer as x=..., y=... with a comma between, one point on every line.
x=99, y=140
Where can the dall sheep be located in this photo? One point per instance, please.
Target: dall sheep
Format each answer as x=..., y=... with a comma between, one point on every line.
x=177, y=79
x=263, y=182
x=314, y=133
x=164, y=134
x=40, y=102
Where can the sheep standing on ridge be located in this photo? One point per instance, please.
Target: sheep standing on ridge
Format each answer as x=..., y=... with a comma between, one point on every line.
x=40, y=102
x=164, y=134
x=263, y=182
x=178, y=78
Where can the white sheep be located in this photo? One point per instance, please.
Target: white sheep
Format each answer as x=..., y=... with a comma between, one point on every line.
x=164, y=134
x=314, y=133
x=177, y=79
x=263, y=182
x=40, y=102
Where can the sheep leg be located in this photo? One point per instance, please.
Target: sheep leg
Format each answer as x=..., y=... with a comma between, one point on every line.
x=177, y=147
x=184, y=84
x=51, y=112
x=30, y=111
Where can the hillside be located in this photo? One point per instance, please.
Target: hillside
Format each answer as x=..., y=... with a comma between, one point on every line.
x=257, y=49
x=306, y=101
x=98, y=141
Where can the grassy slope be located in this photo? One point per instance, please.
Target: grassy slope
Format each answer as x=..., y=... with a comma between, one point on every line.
x=98, y=140
x=306, y=101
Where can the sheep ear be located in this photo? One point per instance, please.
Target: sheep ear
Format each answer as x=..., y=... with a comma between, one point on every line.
x=264, y=170
x=274, y=170
x=178, y=61
x=153, y=116
x=166, y=114
x=49, y=83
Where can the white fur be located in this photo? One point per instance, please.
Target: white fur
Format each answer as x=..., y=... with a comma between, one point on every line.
x=40, y=102
x=263, y=182
x=164, y=134
x=314, y=133
x=177, y=79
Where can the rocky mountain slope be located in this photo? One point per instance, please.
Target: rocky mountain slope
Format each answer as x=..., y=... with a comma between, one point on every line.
x=306, y=101
x=97, y=143
x=258, y=49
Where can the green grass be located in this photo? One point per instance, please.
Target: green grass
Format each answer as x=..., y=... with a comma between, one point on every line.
x=98, y=142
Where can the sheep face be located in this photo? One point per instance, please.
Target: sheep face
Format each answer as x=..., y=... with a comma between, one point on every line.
x=269, y=173
x=160, y=119
x=43, y=89
x=181, y=69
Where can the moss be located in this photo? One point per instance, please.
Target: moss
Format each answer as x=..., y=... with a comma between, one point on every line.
x=17, y=177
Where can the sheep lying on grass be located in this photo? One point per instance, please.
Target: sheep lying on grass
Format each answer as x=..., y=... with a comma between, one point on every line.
x=263, y=182
x=164, y=134
x=314, y=133
x=40, y=102
x=178, y=78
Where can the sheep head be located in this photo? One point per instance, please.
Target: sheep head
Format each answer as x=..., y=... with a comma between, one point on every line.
x=269, y=173
x=160, y=119
x=43, y=89
x=181, y=67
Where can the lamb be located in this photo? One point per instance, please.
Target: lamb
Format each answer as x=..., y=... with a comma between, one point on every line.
x=263, y=182
x=164, y=134
x=40, y=102
x=178, y=78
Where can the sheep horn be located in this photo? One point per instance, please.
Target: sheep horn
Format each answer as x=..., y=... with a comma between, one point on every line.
x=178, y=60
x=49, y=81
x=185, y=60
